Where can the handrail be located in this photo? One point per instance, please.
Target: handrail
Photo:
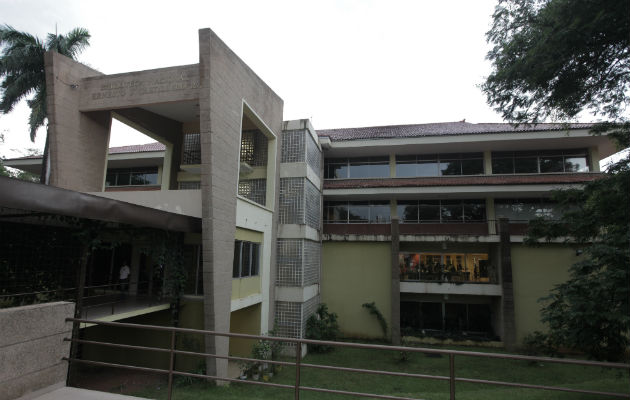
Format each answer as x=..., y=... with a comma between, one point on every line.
x=297, y=387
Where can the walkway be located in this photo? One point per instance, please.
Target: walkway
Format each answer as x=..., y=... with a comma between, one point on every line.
x=70, y=393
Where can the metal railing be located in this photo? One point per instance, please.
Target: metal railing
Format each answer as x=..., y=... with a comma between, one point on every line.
x=297, y=387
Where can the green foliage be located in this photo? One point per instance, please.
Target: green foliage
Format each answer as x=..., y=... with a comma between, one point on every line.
x=540, y=344
x=555, y=58
x=322, y=326
x=590, y=311
x=22, y=68
x=371, y=307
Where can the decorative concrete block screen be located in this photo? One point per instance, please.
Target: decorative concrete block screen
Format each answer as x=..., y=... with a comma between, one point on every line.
x=253, y=189
x=191, y=149
x=31, y=347
x=291, y=317
x=313, y=155
x=298, y=262
x=293, y=146
x=300, y=202
x=254, y=148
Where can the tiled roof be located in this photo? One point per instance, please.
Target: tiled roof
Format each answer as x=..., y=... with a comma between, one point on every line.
x=461, y=181
x=138, y=148
x=439, y=129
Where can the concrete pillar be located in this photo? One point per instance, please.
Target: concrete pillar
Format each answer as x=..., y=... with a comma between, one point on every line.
x=395, y=285
x=491, y=216
x=487, y=162
x=507, y=301
x=593, y=159
x=392, y=165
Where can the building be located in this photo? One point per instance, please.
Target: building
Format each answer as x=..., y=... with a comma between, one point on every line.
x=426, y=221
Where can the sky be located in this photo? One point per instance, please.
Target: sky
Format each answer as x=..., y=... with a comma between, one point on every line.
x=342, y=64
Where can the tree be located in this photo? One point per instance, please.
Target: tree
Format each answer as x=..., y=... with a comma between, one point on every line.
x=553, y=59
x=23, y=73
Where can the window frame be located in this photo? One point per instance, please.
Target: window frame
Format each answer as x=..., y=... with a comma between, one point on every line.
x=253, y=259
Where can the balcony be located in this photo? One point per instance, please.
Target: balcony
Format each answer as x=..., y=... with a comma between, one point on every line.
x=443, y=279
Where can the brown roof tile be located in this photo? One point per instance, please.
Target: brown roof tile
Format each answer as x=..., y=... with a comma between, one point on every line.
x=461, y=181
x=138, y=148
x=439, y=129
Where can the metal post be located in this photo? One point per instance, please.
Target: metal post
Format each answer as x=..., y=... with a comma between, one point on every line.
x=298, y=361
x=170, y=366
x=451, y=364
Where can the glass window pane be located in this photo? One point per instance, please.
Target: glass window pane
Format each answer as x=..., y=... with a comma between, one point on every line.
x=380, y=213
x=255, y=259
x=502, y=165
x=427, y=168
x=429, y=211
x=526, y=165
x=474, y=211
x=236, y=266
x=359, y=171
x=123, y=179
x=379, y=170
x=451, y=211
x=407, y=211
x=450, y=167
x=337, y=171
x=110, y=179
x=336, y=212
x=551, y=164
x=151, y=178
x=472, y=167
x=575, y=164
x=246, y=257
x=358, y=213
x=137, y=178
x=406, y=169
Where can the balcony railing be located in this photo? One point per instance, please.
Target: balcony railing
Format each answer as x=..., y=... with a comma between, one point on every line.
x=447, y=274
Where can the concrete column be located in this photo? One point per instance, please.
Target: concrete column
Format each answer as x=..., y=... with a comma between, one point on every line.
x=593, y=159
x=507, y=301
x=167, y=167
x=392, y=165
x=491, y=216
x=487, y=162
x=395, y=285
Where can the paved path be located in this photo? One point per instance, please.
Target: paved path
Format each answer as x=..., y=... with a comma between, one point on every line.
x=70, y=393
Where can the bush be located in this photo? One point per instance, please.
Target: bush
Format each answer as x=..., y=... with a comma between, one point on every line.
x=538, y=343
x=322, y=326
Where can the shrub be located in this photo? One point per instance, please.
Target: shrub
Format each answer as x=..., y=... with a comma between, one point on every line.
x=322, y=326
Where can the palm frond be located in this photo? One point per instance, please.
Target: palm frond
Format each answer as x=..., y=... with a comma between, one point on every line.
x=38, y=111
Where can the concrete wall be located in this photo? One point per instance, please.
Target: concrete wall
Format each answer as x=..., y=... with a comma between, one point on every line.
x=78, y=141
x=535, y=271
x=31, y=347
x=245, y=320
x=187, y=202
x=354, y=273
x=226, y=82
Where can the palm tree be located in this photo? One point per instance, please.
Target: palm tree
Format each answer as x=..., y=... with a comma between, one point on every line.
x=22, y=72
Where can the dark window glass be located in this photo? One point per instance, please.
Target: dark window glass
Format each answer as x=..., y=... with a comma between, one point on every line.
x=450, y=167
x=110, y=179
x=552, y=164
x=575, y=164
x=151, y=178
x=429, y=211
x=474, y=211
x=451, y=211
x=246, y=259
x=255, y=259
x=526, y=165
x=137, y=178
x=236, y=266
x=358, y=213
x=336, y=212
x=336, y=171
x=407, y=211
x=369, y=169
x=472, y=167
x=502, y=165
x=123, y=179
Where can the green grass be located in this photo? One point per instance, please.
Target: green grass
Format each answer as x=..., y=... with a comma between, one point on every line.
x=551, y=374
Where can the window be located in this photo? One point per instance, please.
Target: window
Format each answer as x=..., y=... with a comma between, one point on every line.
x=439, y=165
x=246, y=259
x=534, y=162
x=525, y=209
x=441, y=211
x=446, y=267
x=356, y=212
x=353, y=168
x=131, y=177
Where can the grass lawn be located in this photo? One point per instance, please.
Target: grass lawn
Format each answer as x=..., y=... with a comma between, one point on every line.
x=593, y=378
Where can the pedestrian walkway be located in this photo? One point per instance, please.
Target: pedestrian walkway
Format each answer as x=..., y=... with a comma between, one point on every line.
x=70, y=393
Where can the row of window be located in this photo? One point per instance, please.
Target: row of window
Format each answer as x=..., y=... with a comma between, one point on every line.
x=547, y=161
x=436, y=211
x=131, y=177
x=246, y=259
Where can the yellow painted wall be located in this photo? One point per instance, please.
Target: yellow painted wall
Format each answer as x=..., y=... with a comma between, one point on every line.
x=243, y=287
x=536, y=270
x=245, y=320
x=354, y=273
